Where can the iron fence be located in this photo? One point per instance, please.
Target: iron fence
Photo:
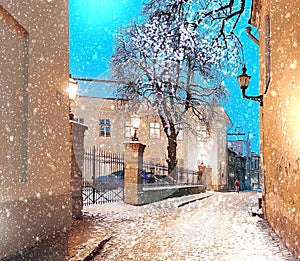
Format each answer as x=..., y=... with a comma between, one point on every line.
x=103, y=177
x=180, y=175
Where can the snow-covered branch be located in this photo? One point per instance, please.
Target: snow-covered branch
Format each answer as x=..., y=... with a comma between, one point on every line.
x=177, y=59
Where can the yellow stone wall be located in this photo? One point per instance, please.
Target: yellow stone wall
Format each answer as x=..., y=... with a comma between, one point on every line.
x=280, y=118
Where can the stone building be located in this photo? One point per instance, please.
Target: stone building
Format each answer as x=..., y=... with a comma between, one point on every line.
x=35, y=197
x=279, y=26
x=110, y=124
x=242, y=147
x=254, y=171
x=236, y=169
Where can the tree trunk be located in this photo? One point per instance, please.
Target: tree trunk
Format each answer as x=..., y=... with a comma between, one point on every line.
x=172, y=153
x=171, y=133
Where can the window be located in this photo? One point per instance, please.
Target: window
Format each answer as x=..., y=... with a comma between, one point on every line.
x=180, y=135
x=80, y=120
x=128, y=129
x=104, y=125
x=201, y=133
x=256, y=166
x=154, y=130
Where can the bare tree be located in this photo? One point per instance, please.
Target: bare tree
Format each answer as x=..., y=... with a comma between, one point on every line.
x=177, y=60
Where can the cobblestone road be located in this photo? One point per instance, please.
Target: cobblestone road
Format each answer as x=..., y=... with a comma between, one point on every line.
x=218, y=227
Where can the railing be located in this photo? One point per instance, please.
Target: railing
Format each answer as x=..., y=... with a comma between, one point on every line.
x=103, y=177
x=99, y=163
x=180, y=176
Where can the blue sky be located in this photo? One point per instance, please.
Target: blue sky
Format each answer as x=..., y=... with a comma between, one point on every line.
x=92, y=26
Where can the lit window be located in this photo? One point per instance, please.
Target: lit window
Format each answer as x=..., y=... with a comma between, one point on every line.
x=154, y=130
x=201, y=133
x=104, y=125
x=180, y=135
x=128, y=129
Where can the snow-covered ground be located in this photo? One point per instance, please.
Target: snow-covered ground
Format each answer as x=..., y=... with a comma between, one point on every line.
x=207, y=226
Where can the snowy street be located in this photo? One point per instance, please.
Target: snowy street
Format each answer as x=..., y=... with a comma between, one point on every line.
x=207, y=226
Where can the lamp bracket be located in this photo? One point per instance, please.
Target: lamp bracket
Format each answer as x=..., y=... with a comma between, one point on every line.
x=258, y=98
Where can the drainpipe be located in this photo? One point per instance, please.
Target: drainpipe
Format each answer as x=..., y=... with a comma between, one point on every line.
x=251, y=36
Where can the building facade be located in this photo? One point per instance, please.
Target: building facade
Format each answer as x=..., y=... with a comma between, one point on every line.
x=35, y=197
x=279, y=27
x=110, y=123
x=242, y=147
x=254, y=171
x=236, y=170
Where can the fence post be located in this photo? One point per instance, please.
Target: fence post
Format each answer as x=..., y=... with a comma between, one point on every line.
x=133, y=162
x=208, y=178
x=93, y=174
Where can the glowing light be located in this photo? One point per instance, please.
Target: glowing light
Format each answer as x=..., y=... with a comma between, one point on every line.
x=72, y=89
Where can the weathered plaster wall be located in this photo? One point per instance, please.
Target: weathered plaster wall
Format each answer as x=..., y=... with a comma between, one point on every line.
x=35, y=199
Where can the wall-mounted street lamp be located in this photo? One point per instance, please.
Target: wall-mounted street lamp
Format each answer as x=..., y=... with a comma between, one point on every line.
x=244, y=80
x=72, y=90
x=135, y=122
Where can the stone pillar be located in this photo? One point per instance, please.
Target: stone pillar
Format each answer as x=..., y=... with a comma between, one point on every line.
x=208, y=178
x=133, y=160
x=77, y=152
x=201, y=174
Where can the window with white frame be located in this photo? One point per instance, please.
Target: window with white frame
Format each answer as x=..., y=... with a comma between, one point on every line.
x=128, y=129
x=180, y=135
x=154, y=130
x=104, y=128
x=201, y=133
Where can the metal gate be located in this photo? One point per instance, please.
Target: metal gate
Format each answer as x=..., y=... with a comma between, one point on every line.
x=103, y=177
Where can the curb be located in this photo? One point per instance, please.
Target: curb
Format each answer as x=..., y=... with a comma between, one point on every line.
x=192, y=201
x=89, y=250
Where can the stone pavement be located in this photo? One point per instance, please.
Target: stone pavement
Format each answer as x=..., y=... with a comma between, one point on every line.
x=206, y=226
